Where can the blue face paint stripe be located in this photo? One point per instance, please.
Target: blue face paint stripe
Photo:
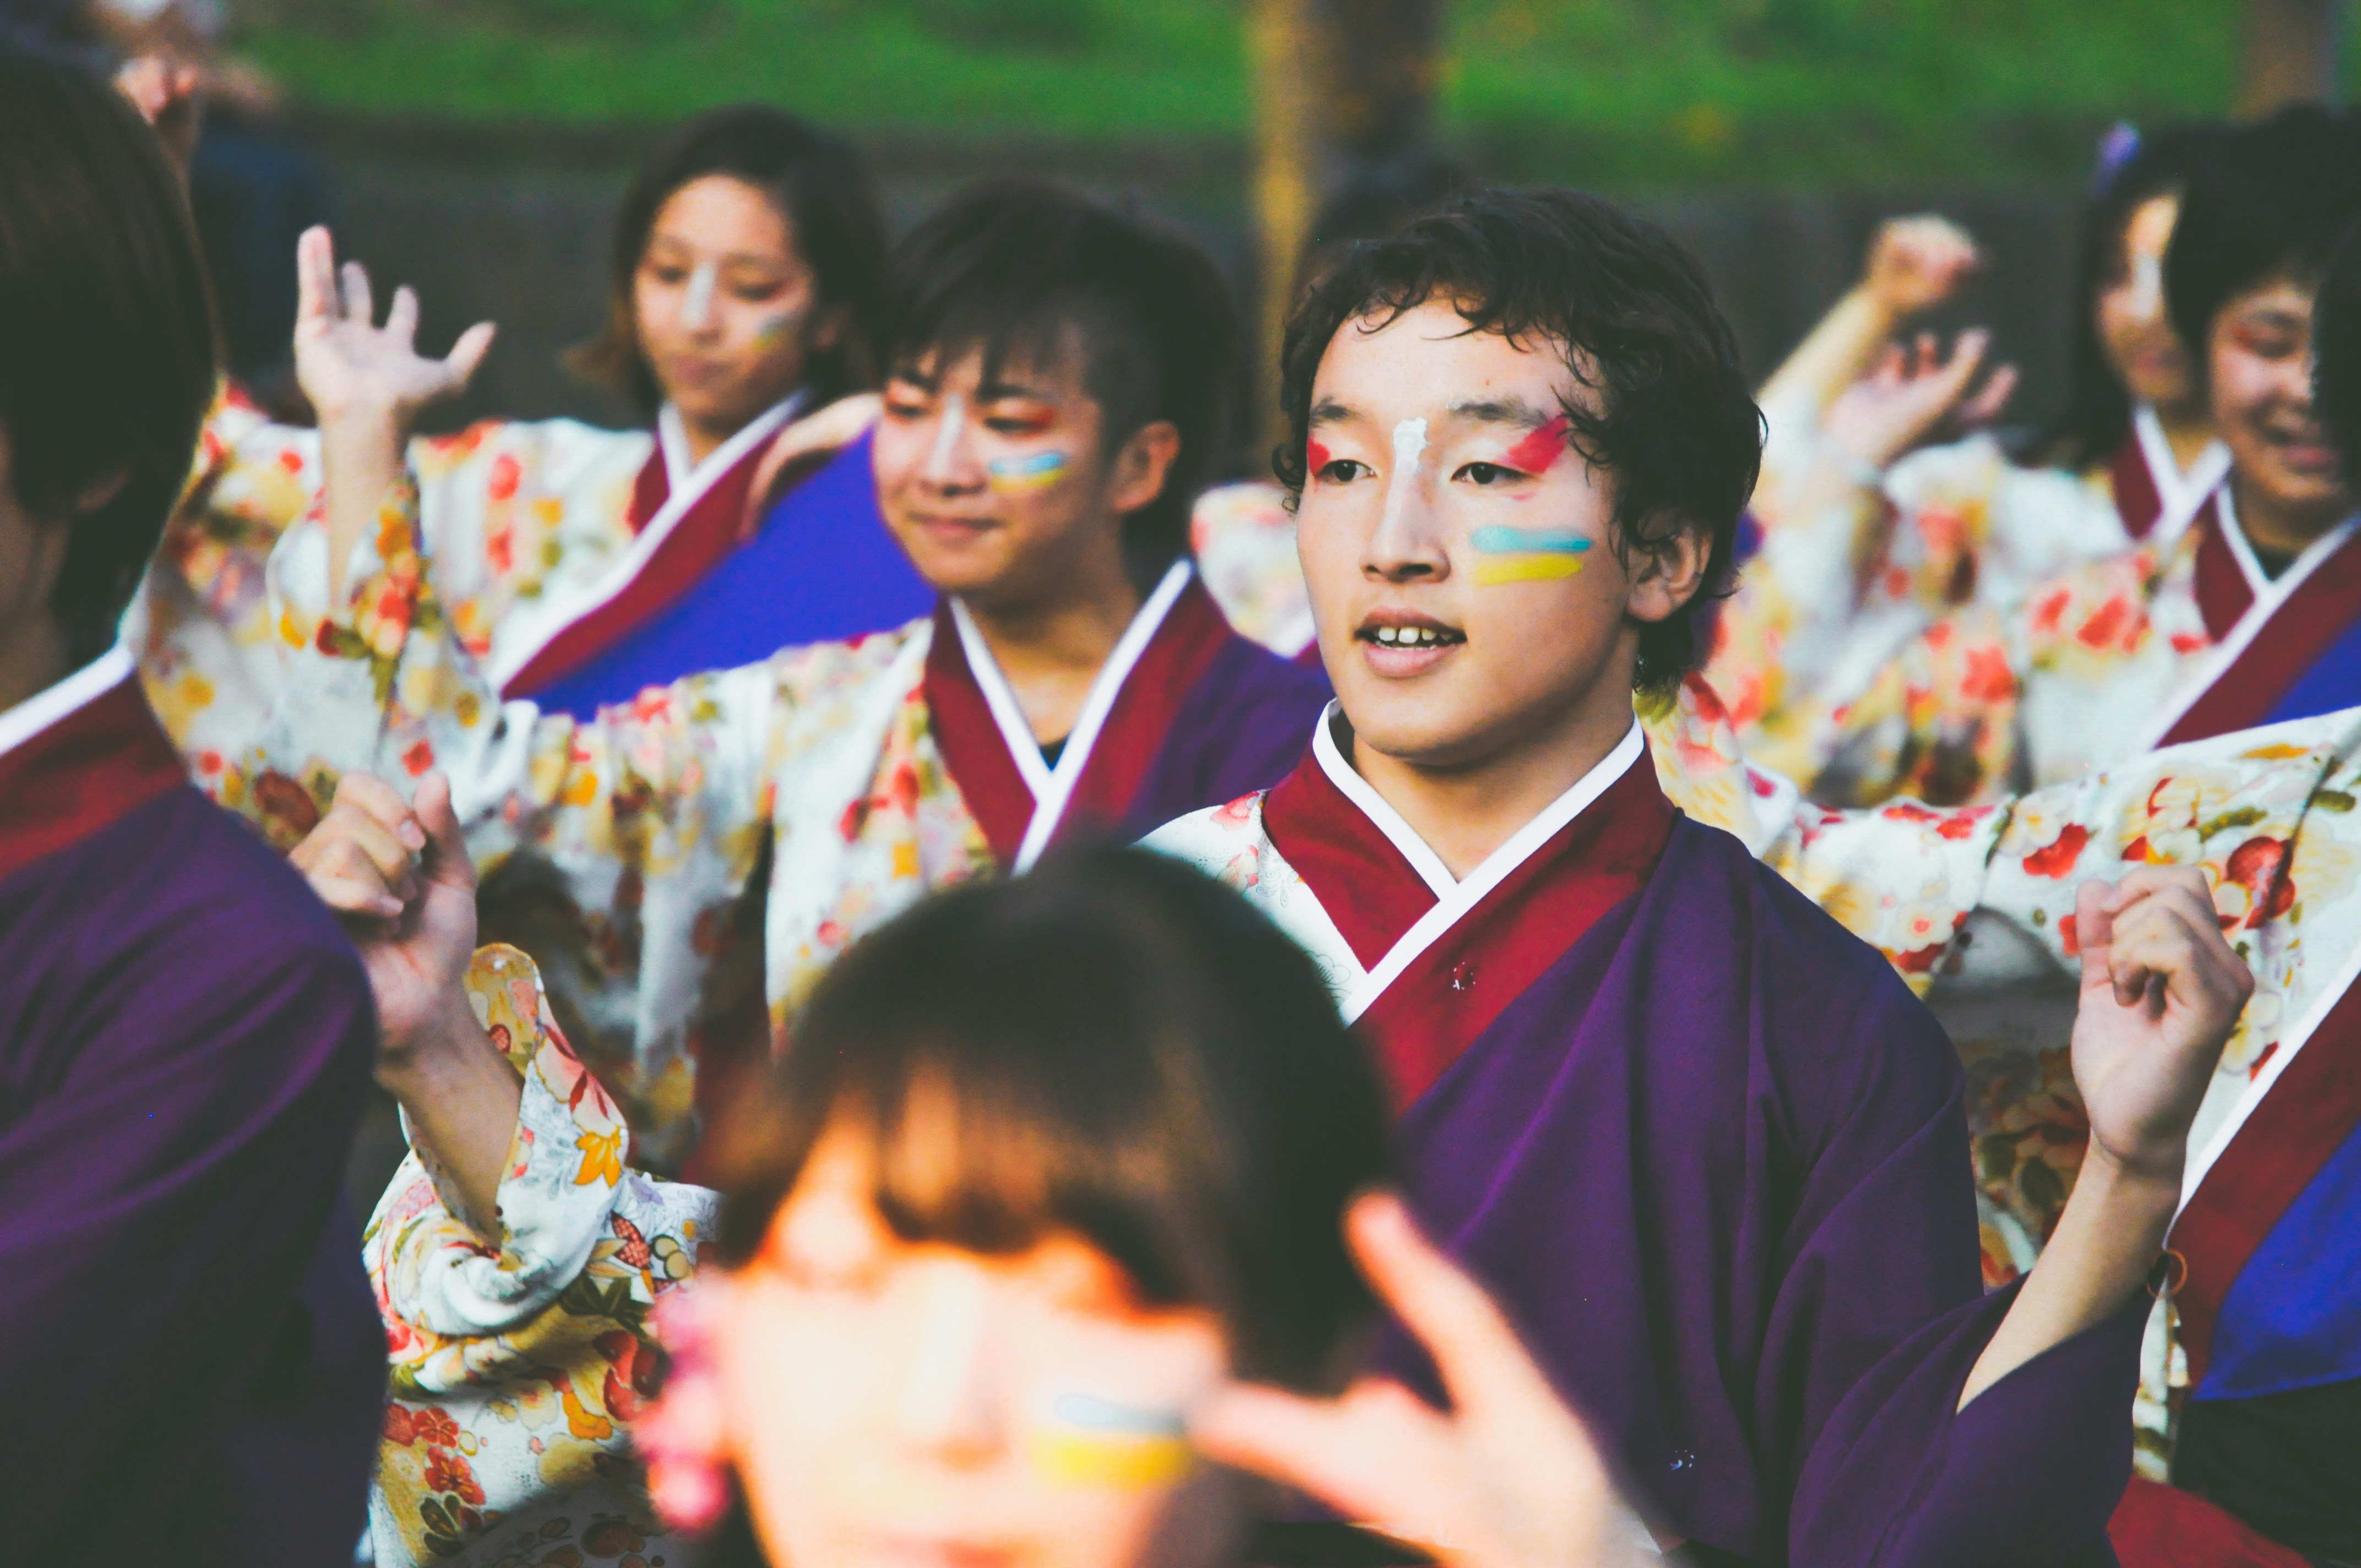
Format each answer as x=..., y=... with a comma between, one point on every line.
x=1104, y=1415
x=1522, y=541
x=1039, y=463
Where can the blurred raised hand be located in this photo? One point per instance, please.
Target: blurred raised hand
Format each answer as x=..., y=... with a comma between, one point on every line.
x=348, y=365
x=809, y=441
x=1917, y=393
x=1507, y=1478
x=1917, y=263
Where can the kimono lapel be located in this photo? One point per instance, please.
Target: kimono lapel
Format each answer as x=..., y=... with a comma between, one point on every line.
x=1472, y=947
x=2281, y=631
x=77, y=758
x=695, y=519
x=1022, y=803
x=2149, y=485
x=2297, y=1111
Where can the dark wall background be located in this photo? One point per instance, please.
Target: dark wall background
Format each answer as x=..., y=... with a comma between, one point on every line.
x=512, y=226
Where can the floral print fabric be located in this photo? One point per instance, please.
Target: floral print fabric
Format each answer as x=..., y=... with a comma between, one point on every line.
x=521, y=1359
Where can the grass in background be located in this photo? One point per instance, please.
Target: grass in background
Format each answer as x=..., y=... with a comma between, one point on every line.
x=1629, y=92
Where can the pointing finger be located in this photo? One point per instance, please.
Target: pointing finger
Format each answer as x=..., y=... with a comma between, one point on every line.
x=315, y=276
x=358, y=303
x=401, y=316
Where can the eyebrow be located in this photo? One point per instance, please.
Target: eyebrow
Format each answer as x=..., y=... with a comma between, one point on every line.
x=1328, y=411
x=1503, y=411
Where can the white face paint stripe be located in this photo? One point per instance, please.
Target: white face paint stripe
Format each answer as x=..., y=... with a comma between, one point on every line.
x=697, y=309
x=1410, y=442
x=943, y=1368
x=947, y=434
x=2147, y=285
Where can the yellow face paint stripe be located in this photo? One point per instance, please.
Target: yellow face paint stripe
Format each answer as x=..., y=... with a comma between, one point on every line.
x=1526, y=569
x=1130, y=1464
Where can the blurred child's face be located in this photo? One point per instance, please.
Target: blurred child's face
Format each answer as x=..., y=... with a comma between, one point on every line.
x=1001, y=493
x=2259, y=377
x=2141, y=347
x=725, y=304
x=1458, y=551
x=919, y=1405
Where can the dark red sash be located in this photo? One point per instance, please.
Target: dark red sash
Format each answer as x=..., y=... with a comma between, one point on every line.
x=89, y=770
x=1452, y=991
x=2320, y=611
x=1192, y=634
x=698, y=542
x=2139, y=502
x=2303, y=1119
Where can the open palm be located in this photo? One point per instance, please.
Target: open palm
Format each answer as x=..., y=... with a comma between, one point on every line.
x=346, y=363
x=2161, y=991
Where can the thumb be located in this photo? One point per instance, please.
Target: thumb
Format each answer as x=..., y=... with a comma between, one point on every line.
x=2094, y=930
x=446, y=859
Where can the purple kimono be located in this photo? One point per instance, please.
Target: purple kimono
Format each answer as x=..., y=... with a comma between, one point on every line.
x=194, y=1364
x=1710, y=1153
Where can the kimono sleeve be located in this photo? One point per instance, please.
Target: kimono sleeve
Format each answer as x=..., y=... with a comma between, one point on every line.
x=167, y=1198
x=672, y=781
x=520, y=1362
x=1877, y=1320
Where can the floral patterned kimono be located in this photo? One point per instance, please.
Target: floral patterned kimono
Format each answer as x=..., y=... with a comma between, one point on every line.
x=1850, y=572
x=550, y=540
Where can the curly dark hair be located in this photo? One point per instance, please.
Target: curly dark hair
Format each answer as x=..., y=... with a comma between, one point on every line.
x=1631, y=315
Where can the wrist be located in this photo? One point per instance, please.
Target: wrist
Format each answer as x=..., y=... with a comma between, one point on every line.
x=2133, y=1189
x=410, y=1059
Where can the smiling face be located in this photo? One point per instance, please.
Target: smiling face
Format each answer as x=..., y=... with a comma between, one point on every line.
x=901, y=1405
x=2142, y=349
x=2259, y=375
x=726, y=306
x=1002, y=493
x=1460, y=554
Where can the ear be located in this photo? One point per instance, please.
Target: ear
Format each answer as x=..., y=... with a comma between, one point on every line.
x=1667, y=572
x=1141, y=468
x=830, y=330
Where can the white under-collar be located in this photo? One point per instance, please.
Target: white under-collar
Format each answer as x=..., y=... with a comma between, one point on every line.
x=77, y=691
x=1455, y=897
x=2181, y=492
x=1053, y=787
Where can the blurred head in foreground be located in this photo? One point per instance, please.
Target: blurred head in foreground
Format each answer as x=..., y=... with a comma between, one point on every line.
x=1046, y=1161
x=107, y=362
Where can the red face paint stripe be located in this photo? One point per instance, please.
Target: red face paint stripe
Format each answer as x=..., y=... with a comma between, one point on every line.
x=1536, y=452
x=1315, y=456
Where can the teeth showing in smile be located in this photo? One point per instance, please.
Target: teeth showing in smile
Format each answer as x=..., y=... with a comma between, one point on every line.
x=1411, y=637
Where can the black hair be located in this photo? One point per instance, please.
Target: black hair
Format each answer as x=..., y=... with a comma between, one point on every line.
x=1115, y=1045
x=1019, y=270
x=821, y=187
x=1633, y=318
x=2273, y=206
x=106, y=332
x=2136, y=168
x=2336, y=349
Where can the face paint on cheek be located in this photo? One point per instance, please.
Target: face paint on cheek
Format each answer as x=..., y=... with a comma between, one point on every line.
x=1410, y=443
x=1539, y=450
x=1315, y=457
x=1036, y=471
x=947, y=434
x=1082, y=1439
x=1526, y=556
x=696, y=310
x=776, y=328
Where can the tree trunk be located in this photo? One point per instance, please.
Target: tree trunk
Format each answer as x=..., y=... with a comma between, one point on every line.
x=2293, y=53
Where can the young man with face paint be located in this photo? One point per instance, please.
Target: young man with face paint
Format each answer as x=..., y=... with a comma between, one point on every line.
x=1054, y=395
x=2234, y=619
x=1703, y=1143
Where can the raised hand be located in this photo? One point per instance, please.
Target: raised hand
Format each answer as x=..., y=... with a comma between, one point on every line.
x=1509, y=1479
x=1917, y=263
x=2161, y=991
x=414, y=921
x=1916, y=393
x=815, y=436
x=348, y=365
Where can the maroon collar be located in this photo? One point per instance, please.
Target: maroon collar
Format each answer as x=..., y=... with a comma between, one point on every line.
x=1190, y=636
x=92, y=767
x=2302, y=629
x=2139, y=502
x=1454, y=989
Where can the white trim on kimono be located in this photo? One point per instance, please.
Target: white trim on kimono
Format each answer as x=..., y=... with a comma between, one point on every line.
x=1053, y=788
x=685, y=493
x=2202, y=1163
x=77, y=691
x=2270, y=597
x=1520, y=847
x=2182, y=492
